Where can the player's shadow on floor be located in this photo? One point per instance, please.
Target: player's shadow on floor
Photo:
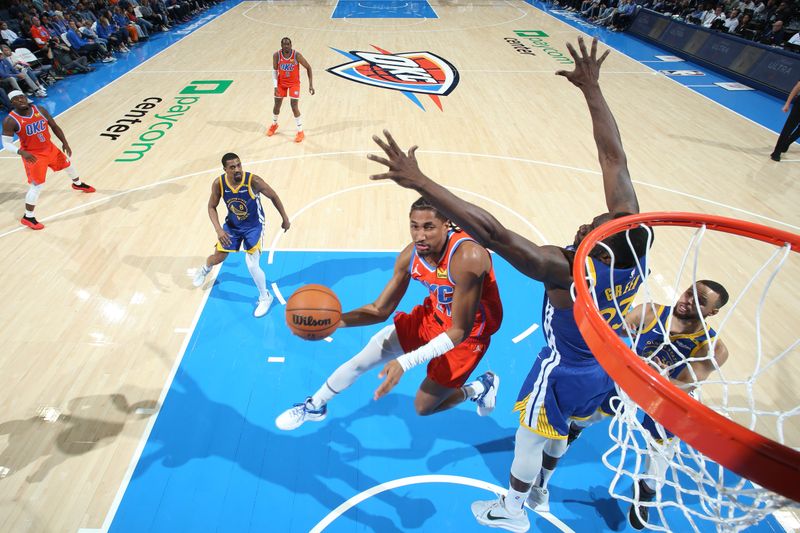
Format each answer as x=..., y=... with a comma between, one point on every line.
x=589, y=503
x=309, y=460
x=241, y=126
x=330, y=271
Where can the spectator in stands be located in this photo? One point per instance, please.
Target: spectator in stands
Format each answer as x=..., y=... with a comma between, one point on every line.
x=69, y=62
x=145, y=27
x=711, y=17
x=117, y=37
x=696, y=16
x=784, y=12
x=773, y=35
x=22, y=57
x=58, y=24
x=85, y=30
x=732, y=21
x=623, y=16
x=122, y=21
x=10, y=78
x=41, y=35
x=12, y=39
x=156, y=19
x=746, y=28
x=760, y=7
x=605, y=16
x=86, y=47
x=768, y=12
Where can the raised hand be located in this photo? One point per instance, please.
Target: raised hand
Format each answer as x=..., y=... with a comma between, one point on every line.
x=587, y=65
x=403, y=168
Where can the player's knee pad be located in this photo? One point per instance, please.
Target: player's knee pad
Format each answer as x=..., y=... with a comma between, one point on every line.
x=32, y=196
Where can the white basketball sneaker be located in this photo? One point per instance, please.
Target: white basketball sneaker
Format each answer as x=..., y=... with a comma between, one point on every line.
x=539, y=499
x=493, y=513
x=488, y=398
x=200, y=276
x=299, y=413
x=263, y=305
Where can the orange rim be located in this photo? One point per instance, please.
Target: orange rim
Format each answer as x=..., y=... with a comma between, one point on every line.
x=753, y=456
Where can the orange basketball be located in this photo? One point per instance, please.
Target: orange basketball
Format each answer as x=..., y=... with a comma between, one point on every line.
x=313, y=312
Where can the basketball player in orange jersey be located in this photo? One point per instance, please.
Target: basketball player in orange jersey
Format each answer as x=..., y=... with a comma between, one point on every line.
x=33, y=125
x=450, y=331
x=286, y=80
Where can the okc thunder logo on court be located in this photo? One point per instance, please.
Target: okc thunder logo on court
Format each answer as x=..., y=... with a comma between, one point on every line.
x=407, y=72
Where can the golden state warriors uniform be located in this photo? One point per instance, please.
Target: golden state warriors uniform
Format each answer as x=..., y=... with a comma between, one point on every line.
x=681, y=346
x=245, y=220
x=566, y=380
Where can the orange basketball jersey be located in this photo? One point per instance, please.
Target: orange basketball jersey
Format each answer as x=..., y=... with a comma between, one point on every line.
x=440, y=284
x=288, y=69
x=34, y=133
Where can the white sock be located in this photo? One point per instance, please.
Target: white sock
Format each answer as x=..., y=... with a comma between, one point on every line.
x=29, y=214
x=274, y=119
x=299, y=122
x=252, y=260
x=73, y=174
x=472, y=390
x=515, y=500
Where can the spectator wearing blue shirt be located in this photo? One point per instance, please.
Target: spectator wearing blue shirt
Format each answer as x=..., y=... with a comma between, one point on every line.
x=116, y=36
x=86, y=47
x=623, y=16
x=9, y=77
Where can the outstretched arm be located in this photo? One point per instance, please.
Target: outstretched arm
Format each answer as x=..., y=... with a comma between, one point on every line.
x=544, y=263
x=619, y=192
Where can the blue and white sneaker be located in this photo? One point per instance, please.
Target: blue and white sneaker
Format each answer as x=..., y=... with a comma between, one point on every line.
x=539, y=499
x=488, y=398
x=299, y=413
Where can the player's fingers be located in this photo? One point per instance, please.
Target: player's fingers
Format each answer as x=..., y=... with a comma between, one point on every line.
x=392, y=142
x=572, y=52
x=582, y=46
x=594, y=47
x=382, y=144
x=379, y=159
x=603, y=57
x=412, y=151
x=561, y=73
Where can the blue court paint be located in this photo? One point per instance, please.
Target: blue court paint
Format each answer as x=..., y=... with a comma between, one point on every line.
x=383, y=9
x=215, y=461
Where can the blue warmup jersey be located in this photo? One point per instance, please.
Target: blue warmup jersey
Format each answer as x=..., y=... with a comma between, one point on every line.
x=566, y=380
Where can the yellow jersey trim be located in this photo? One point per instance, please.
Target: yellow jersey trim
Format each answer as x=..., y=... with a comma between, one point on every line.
x=653, y=322
x=234, y=190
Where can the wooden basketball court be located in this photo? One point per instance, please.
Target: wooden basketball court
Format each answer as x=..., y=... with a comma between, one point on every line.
x=98, y=307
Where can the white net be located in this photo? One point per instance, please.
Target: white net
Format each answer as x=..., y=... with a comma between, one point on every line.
x=741, y=363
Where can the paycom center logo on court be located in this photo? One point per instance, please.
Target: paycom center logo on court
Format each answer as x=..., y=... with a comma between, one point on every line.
x=411, y=73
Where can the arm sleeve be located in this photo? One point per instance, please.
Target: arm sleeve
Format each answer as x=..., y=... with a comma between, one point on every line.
x=437, y=346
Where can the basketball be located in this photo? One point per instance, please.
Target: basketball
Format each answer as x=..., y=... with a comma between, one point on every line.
x=313, y=312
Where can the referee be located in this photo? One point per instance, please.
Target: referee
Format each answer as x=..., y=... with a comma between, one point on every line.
x=791, y=130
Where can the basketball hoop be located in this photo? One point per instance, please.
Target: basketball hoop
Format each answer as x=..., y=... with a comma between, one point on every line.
x=706, y=432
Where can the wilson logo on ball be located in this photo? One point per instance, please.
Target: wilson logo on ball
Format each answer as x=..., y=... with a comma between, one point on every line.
x=300, y=320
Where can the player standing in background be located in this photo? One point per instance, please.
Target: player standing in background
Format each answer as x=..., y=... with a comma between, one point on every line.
x=286, y=80
x=244, y=224
x=32, y=125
